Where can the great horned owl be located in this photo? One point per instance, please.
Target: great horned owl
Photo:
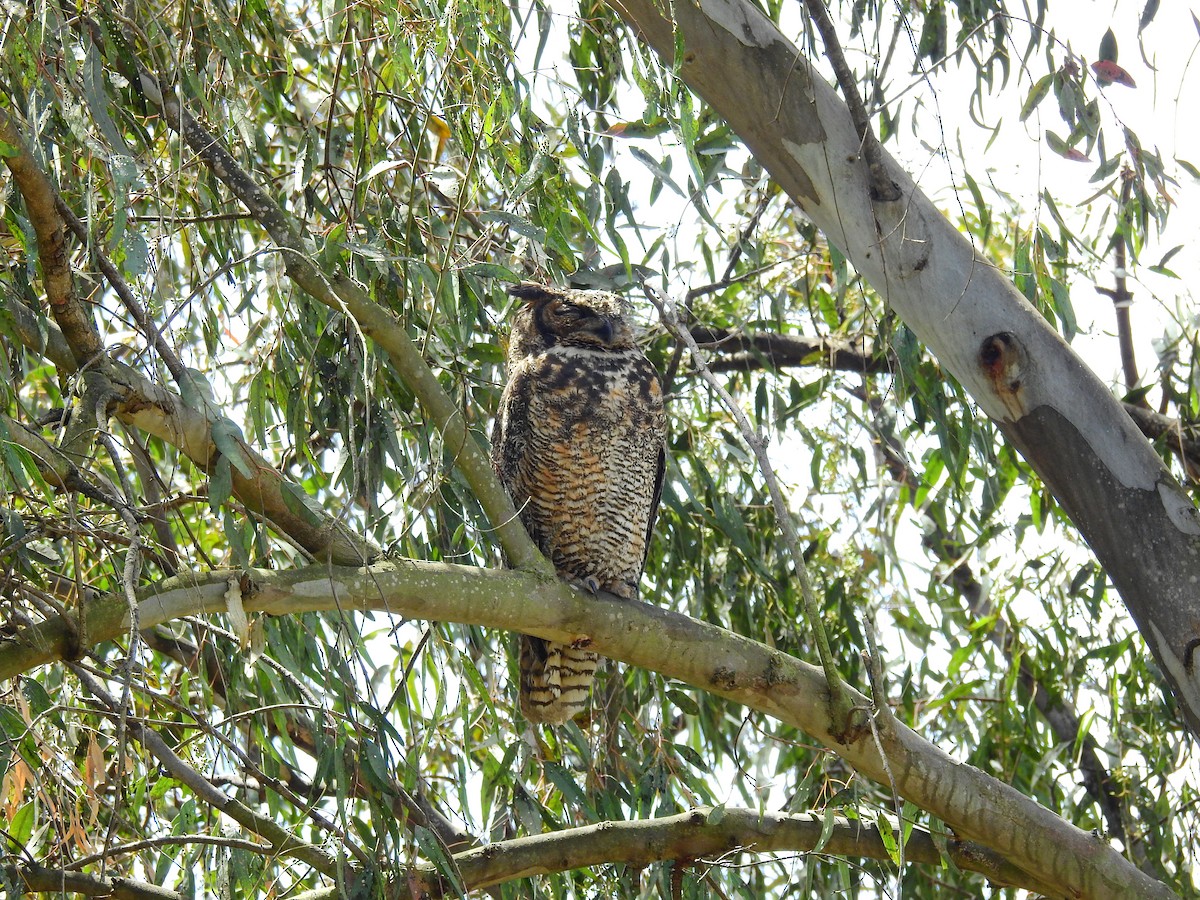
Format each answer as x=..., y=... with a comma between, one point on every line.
x=579, y=444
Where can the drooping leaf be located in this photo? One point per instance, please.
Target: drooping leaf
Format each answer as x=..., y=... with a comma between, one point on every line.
x=1110, y=73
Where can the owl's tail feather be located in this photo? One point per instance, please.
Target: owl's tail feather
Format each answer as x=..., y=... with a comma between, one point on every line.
x=555, y=680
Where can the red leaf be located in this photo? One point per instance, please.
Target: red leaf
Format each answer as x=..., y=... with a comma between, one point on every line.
x=1108, y=72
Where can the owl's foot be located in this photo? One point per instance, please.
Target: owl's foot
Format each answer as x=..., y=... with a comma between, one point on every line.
x=589, y=584
x=581, y=642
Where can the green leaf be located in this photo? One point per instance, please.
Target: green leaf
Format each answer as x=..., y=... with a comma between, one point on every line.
x=1168, y=256
x=521, y=226
x=491, y=270
x=564, y=781
x=301, y=504
x=656, y=169
x=135, y=254
x=1062, y=148
x=20, y=827
x=1148, y=13
x=227, y=436
x=941, y=840
x=432, y=848
x=1036, y=95
x=828, y=822
x=196, y=390
x=39, y=699
x=685, y=703
x=888, y=836
x=1107, y=168
x=957, y=658
x=220, y=483
x=1108, y=47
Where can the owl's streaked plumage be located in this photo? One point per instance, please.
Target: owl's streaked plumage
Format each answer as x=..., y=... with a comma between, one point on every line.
x=579, y=443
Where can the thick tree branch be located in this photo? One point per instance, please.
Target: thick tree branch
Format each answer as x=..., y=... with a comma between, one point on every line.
x=1176, y=437
x=69, y=312
x=701, y=834
x=978, y=807
x=59, y=881
x=140, y=402
x=741, y=351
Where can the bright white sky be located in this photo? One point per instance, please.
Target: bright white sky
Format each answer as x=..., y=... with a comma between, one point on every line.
x=1160, y=110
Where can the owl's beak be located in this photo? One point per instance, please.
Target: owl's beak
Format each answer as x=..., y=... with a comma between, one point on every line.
x=604, y=330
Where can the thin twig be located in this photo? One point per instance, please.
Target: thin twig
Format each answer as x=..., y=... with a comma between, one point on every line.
x=129, y=584
x=1062, y=719
x=169, y=840
x=882, y=187
x=839, y=703
x=263, y=778
x=162, y=413
x=729, y=277
x=123, y=291
x=371, y=320
x=300, y=729
x=881, y=714
x=1120, y=295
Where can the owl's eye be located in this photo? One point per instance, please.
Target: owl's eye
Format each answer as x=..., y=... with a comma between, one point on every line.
x=574, y=316
x=578, y=323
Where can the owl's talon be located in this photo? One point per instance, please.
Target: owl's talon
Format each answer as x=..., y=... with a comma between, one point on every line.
x=580, y=642
x=589, y=584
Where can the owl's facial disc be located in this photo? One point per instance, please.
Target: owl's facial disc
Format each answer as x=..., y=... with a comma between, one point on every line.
x=561, y=321
x=588, y=324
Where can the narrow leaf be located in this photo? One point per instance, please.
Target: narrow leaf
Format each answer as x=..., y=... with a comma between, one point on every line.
x=1148, y=13
x=433, y=850
x=826, y=829
x=1108, y=47
x=656, y=169
x=1036, y=94
x=1109, y=72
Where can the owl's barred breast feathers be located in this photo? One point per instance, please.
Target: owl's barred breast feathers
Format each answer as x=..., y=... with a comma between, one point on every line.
x=579, y=444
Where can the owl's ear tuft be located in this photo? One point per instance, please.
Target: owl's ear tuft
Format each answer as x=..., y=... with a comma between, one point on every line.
x=529, y=291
